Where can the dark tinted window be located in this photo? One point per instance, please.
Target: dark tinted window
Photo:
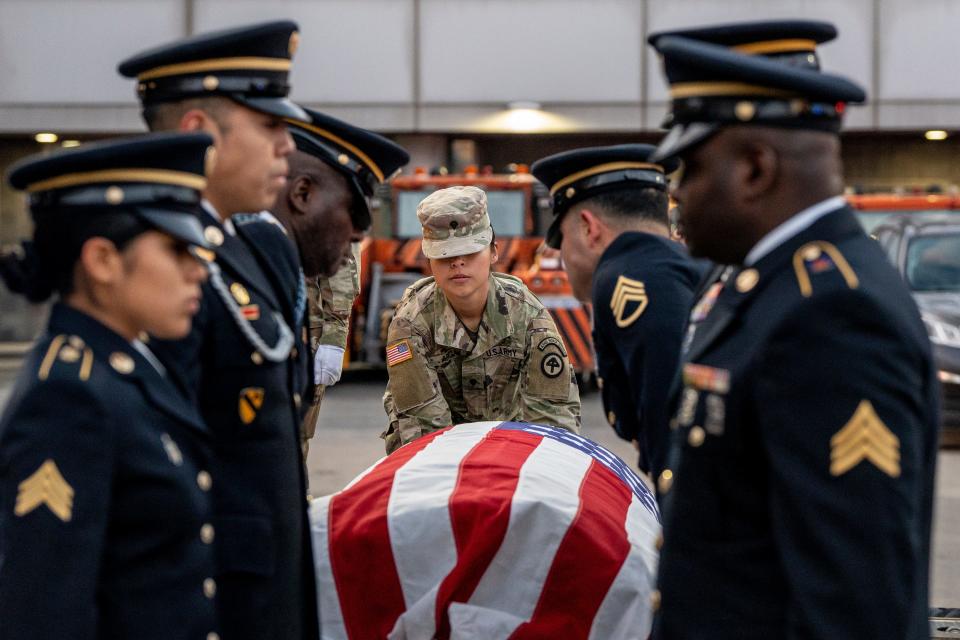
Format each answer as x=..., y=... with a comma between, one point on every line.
x=933, y=262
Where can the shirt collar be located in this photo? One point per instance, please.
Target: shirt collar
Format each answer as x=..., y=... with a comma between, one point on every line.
x=791, y=227
x=213, y=213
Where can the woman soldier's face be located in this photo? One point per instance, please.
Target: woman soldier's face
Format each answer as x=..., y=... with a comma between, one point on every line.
x=462, y=276
x=152, y=286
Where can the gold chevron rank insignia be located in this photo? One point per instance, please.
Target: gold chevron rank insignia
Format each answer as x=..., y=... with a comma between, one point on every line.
x=865, y=437
x=627, y=291
x=45, y=486
x=251, y=399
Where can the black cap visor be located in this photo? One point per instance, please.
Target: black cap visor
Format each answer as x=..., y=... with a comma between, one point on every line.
x=554, y=235
x=180, y=225
x=682, y=138
x=280, y=107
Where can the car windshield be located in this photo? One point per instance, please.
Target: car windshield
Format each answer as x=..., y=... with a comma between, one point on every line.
x=933, y=262
x=870, y=220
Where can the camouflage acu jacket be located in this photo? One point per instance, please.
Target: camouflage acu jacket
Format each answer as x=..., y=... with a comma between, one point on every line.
x=516, y=369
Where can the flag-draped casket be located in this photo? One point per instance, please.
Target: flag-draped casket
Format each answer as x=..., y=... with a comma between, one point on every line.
x=488, y=530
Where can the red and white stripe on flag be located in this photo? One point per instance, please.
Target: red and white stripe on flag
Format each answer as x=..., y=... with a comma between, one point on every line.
x=488, y=530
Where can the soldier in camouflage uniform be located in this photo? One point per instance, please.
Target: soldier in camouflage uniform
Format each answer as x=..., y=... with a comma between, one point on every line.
x=330, y=303
x=468, y=344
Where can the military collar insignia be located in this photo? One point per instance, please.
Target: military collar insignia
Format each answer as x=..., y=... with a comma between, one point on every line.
x=121, y=362
x=45, y=486
x=865, y=437
x=213, y=235
x=240, y=293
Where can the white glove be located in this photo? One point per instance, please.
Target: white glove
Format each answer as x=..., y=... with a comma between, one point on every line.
x=327, y=365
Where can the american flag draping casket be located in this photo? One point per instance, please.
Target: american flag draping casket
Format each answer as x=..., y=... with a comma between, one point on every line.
x=488, y=530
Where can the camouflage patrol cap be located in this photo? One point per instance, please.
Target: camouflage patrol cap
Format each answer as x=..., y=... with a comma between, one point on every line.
x=455, y=222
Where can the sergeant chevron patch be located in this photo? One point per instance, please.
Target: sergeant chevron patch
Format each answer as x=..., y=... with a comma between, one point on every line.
x=865, y=437
x=627, y=291
x=45, y=486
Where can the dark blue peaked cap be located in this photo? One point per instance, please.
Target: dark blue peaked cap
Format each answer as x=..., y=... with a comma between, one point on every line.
x=713, y=86
x=365, y=158
x=788, y=41
x=579, y=174
x=158, y=178
x=248, y=64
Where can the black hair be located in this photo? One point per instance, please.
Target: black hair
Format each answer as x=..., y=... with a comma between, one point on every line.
x=633, y=204
x=165, y=116
x=46, y=264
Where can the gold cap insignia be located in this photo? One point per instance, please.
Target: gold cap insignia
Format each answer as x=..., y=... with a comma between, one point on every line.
x=173, y=451
x=294, y=43
x=624, y=293
x=45, y=486
x=113, y=195
x=570, y=192
x=343, y=158
x=251, y=399
x=744, y=111
x=213, y=235
x=747, y=280
x=865, y=437
x=240, y=293
x=121, y=362
x=210, y=83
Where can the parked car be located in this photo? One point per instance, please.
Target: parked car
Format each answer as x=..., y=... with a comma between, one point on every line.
x=926, y=250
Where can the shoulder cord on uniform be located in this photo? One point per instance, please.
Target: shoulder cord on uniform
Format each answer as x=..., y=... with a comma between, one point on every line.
x=301, y=305
x=278, y=353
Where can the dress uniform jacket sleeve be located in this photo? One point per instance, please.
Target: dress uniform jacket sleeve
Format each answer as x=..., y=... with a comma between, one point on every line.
x=414, y=403
x=50, y=555
x=651, y=356
x=549, y=388
x=844, y=504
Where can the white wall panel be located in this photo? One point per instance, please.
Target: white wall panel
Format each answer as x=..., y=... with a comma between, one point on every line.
x=350, y=50
x=66, y=51
x=544, y=50
x=850, y=54
x=920, y=49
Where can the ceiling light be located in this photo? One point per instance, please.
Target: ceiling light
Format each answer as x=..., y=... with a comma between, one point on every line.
x=70, y=143
x=46, y=137
x=935, y=134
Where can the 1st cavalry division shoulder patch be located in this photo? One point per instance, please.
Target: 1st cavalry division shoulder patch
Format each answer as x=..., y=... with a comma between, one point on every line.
x=398, y=352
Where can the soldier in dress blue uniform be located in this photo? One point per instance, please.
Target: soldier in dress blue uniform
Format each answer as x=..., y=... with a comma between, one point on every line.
x=798, y=498
x=245, y=360
x=612, y=229
x=105, y=506
x=325, y=208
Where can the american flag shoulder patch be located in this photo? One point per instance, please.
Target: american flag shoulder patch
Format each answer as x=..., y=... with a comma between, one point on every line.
x=398, y=352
